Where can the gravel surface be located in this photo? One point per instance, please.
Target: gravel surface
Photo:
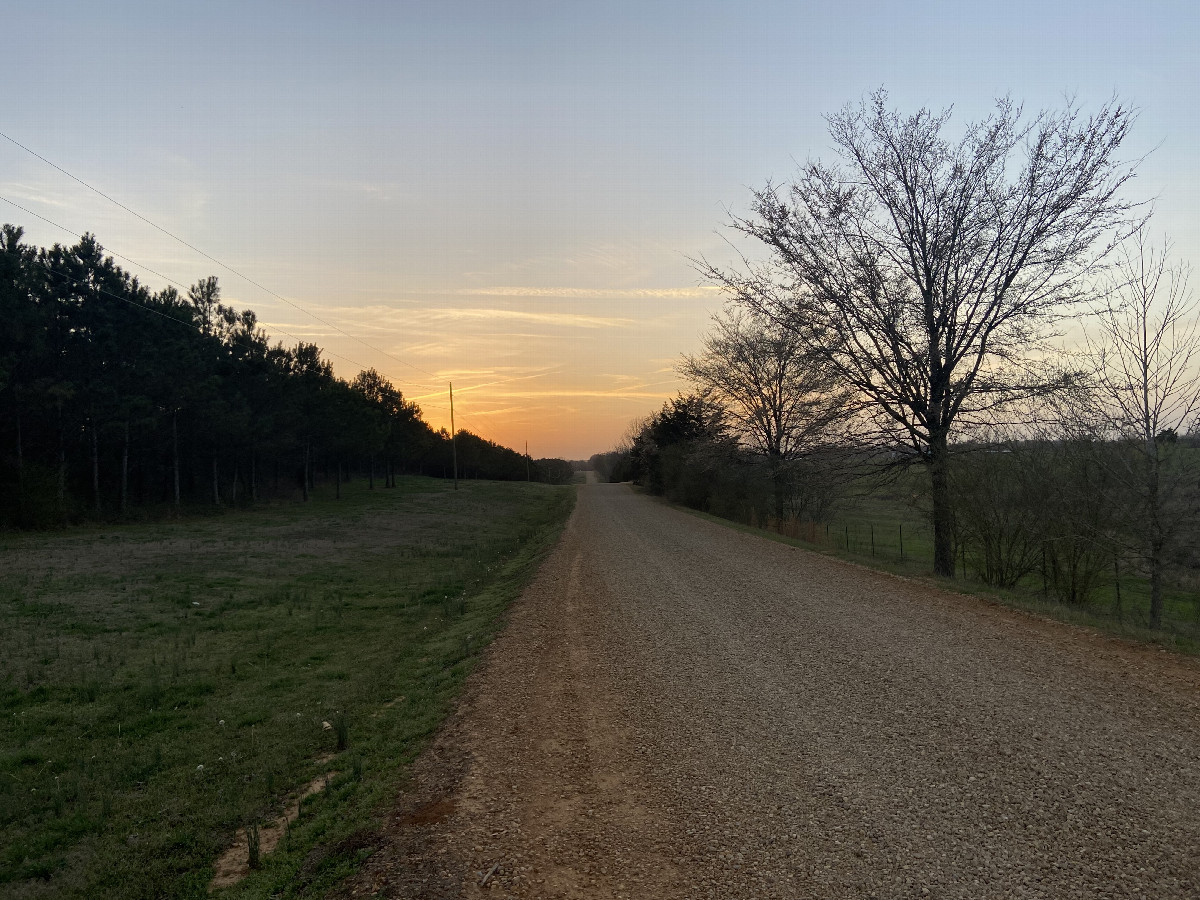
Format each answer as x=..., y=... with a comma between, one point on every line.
x=677, y=709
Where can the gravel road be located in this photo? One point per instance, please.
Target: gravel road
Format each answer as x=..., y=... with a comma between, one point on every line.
x=679, y=710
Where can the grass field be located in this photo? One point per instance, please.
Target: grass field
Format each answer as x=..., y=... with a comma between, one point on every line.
x=1125, y=609
x=164, y=685
x=883, y=526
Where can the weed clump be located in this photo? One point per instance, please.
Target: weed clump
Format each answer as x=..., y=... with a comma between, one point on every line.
x=341, y=729
x=253, y=846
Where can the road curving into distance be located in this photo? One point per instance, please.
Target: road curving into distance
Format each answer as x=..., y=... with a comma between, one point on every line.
x=677, y=709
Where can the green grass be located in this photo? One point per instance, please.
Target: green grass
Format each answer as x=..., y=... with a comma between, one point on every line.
x=889, y=518
x=163, y=685
x=870, y=524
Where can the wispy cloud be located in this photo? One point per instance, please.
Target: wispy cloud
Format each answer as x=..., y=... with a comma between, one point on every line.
x=382, y=318
x=569, y=320
x=593, y=394
x=577, y=293
x=31, y=195
x=383, y=191
x=503, y=411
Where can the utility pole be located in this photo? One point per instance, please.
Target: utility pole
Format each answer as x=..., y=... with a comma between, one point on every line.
x=453, y=445
x=527, y=478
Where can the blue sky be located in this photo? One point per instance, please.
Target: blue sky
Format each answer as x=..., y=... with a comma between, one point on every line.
x=507, y=194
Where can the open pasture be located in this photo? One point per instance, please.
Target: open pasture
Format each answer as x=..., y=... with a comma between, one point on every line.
x=164, y=685
x=883, y=527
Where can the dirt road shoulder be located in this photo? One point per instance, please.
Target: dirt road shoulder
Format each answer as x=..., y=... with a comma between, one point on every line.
x=530, y=788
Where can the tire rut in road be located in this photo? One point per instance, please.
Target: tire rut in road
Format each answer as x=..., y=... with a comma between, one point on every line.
x=541, y=794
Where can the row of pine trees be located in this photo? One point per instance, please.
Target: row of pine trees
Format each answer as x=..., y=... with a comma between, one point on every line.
x=115, y=398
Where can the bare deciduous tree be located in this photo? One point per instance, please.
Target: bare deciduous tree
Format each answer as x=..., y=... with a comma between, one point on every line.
x=931, y=268
x=780, y=399
x=1146, y=347
x=999, y=510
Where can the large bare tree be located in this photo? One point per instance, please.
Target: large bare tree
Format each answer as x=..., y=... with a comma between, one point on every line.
x=931, y=268
x=1146, y=348
x=780, y=399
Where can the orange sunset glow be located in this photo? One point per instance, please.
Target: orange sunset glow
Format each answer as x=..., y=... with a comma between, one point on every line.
x=509, y=197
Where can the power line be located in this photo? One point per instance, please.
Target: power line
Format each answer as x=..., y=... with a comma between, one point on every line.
x=191, y=326
x=132, y=262
x=230, y=269
x=176, y=284
x=213, y=259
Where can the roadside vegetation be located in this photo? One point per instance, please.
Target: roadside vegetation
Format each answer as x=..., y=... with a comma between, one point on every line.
x=168, y=688
x=893, y=362
x=885, y=525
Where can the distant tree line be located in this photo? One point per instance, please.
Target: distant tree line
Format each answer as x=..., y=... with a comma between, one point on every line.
x=762, y=437
x=115, y=397
x=906, y=313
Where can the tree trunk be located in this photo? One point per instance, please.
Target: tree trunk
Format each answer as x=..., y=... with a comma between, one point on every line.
x=1156, y=597
x=20, y=460
x=216, y=483
x=253, y=478
x=95, y=466
x=125, y=472
x=175, y=453
x=943, y=530
x=338, y=490
x=62, y=465
x=1158, y=539
x=371, y=475
x=304, y=478
x=777, y=486
x=1117, y=583
x=233, y=486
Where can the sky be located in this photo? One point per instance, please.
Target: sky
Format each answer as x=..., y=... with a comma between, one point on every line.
x=509, y=196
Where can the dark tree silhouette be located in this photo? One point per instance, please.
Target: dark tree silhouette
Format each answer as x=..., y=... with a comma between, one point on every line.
x=927, y=269
x=113, y=397
x=1145, y=346
x=779, y=397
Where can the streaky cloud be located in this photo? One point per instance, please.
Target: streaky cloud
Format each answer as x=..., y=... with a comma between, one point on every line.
x=569, y=320
x=576, y=293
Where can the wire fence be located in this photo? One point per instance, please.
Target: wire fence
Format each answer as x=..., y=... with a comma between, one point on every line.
x=1119, y=592
x=891, y=541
